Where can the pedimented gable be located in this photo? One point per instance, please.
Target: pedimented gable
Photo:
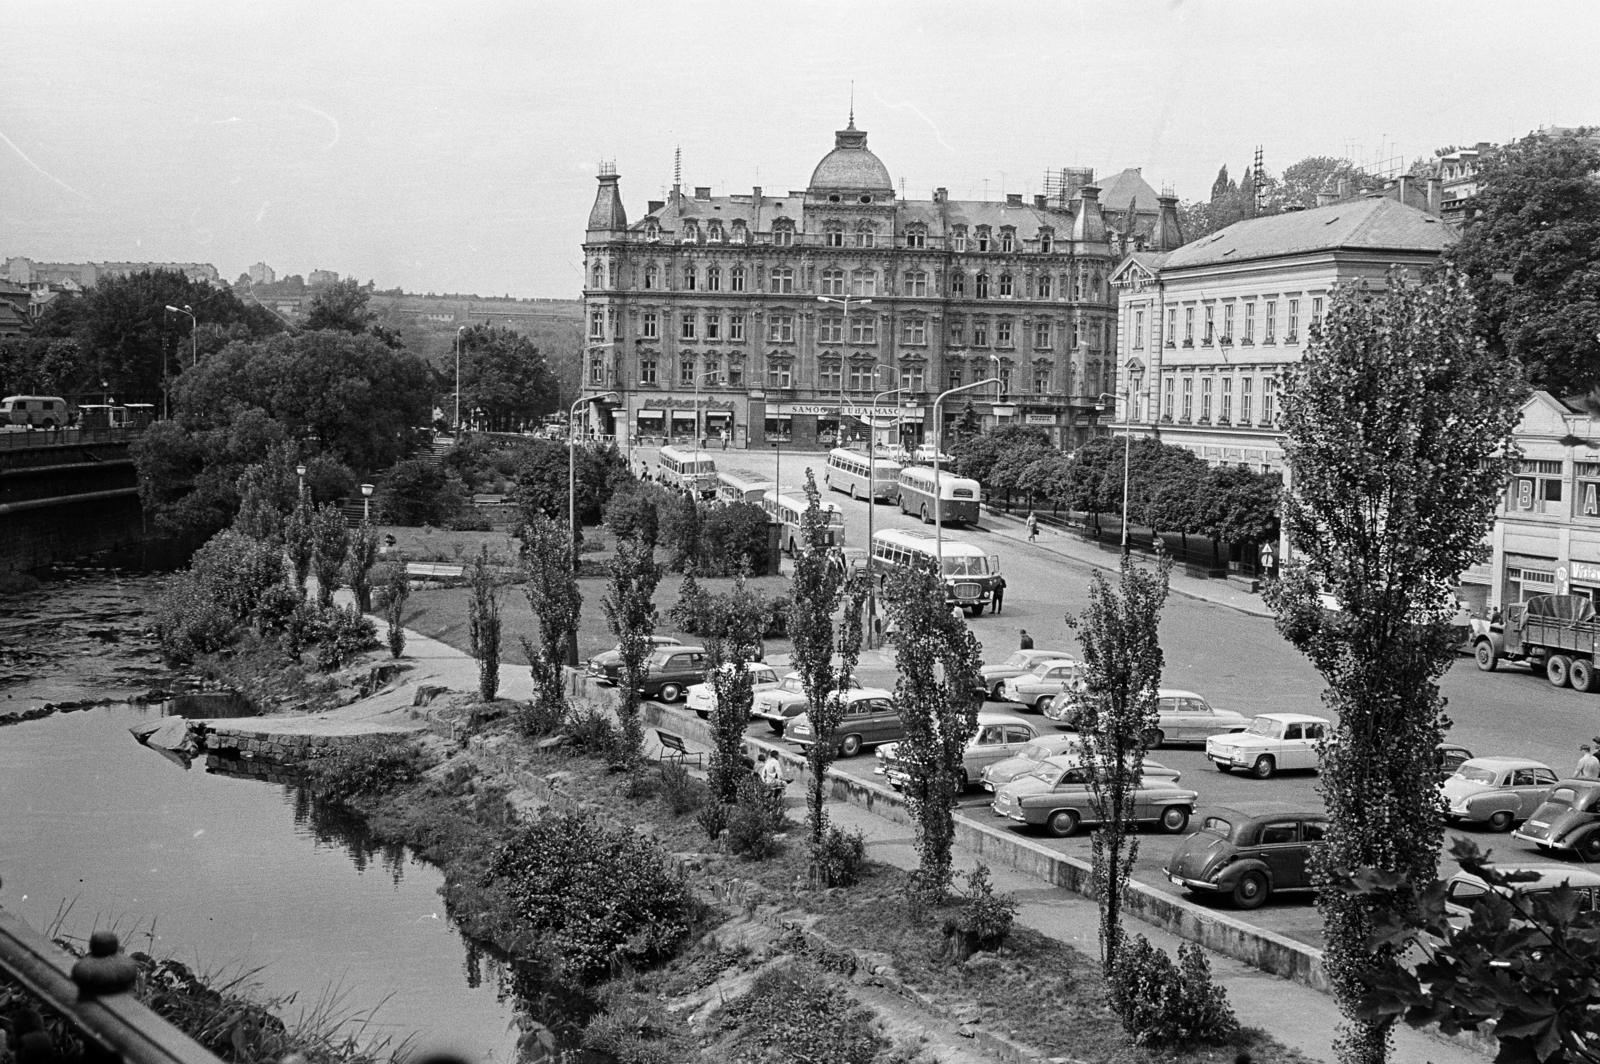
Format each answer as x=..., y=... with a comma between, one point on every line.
x=1544, y=415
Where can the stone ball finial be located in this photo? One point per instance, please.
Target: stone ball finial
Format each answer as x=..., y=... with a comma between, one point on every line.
x=106, y=970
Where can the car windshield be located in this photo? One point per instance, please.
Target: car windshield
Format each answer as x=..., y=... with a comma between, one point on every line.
x=1043, y=667
x=795, y=685
x=1262, y=726
x=976, y=565
x=763, y=675
x=1477, y=774
x=1048, y=773
x=1019, y=660
x=1036, y=751
x=1563, y=796
x=1217, y=826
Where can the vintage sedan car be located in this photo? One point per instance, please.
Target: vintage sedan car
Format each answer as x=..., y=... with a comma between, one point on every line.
x=1497, y=791
x=1040, y=684
x=870, y=718
x=1466, y=890
x=1272, y=742
x=1021, y=661
x=597, y=665
x=1452, y=757
x=1181, y=717
x=669, y=671
x=1041, y=750
x=999, y=736
x=1056, y=796
x=1248, y=856
x=1568, y=821
x=703, y=696
x=781, y=704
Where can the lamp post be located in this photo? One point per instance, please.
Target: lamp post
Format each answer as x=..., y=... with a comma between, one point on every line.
x=938, y=448
x=872, y=508
x=1127, y=449
x=194, y=355
x=572, y=460
x=459, y=330
x=844, y=301
x=366, y=503
x=300, y=471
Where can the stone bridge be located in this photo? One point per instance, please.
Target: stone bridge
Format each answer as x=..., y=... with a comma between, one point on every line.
x=64, y=495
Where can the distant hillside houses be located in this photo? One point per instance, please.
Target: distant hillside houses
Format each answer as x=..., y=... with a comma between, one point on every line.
x=22, y=270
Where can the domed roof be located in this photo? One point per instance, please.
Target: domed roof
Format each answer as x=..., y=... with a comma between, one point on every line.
x=850, y=165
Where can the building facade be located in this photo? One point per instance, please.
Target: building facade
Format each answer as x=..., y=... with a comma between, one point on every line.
x=768, y=319
x=1205, y=331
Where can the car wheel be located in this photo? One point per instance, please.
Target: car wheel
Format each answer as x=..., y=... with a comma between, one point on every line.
x=962, y=782
x=1251, y=891
x=1264, y=767
x=1558, y=670
x=1062, y=823
x=703, y=714
x=977, y=611
x=1154, y=737
x=776, y=725
x=855, y=495
x=1174, y=818
x=1583, y=678
x=1223, y=766
x=996, y=693
x=1043, y=703
x=670, y=692
x=1501, y=821
x=1589, y=848
x=925, y=518
x=850, y=746
x=1484, y=654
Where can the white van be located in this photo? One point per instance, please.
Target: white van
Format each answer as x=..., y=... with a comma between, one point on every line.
x=690, y=471
x=43, y=411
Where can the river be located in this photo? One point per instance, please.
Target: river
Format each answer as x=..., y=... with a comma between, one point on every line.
x=221, y=872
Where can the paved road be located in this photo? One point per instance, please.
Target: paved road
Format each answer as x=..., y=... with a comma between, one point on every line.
x=1237, y=661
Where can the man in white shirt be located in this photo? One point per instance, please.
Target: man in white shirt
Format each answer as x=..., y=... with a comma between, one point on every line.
x=1588, y=765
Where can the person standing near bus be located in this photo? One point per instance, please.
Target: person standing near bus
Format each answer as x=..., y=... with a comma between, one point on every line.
x=999, y=593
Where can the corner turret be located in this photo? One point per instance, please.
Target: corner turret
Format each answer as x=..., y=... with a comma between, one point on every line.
x=607, y=219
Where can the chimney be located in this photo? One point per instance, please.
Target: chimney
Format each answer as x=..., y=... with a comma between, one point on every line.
x=656, y=205
x=1039, y=202
x=755, y=193
x=607, y=215
x=1343, y=189
x=1435, y=196
x=940, y=195
x=1325, y=198
x=1013, y=199
x=702, y=192
x=1167, y=234
x=1089, y=226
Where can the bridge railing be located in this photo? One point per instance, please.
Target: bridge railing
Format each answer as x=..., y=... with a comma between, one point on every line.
x=21, y=439
x=122, y=1028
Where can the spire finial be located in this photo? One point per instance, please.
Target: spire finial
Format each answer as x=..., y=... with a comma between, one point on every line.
x=852, y=124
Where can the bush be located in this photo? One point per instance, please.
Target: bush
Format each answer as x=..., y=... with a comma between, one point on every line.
x=983, y=920
x=838, y=859
x=204, y=609
x=798, y=1014
x=369, y=765
x=753, y=821
x=590, y=731
x=596, y=899
x=681, y=791
x=713, y=820
x=343, y=633
x=417, y=492
x=636, y=513
x=1162, y=1003
x=733, y=540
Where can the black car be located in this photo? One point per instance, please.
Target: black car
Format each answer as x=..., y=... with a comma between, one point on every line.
x=1248, y=856
x=668, y=672
x=601, y=665
x=1568, y=821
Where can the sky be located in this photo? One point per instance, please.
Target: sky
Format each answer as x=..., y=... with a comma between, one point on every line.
x=453, y=147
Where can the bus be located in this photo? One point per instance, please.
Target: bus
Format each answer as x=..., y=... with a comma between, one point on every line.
x=848, y=471
x=731, y=487
x=786, y=511
x=970, y=576
x=957, y=500
x=688, y=471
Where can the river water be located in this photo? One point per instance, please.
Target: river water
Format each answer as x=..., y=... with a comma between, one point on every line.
x=221, y=872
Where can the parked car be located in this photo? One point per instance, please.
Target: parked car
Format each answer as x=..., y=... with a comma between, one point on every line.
x=870, y=718
x=999, y=736
x=669, y=671
x=1043, y=682
x=1568, y=821
x=1497, y=791
x=994, y=676
x=1041, y=750
x=925, y=453
x=1452, y=757
x=1056, y=797
x=1272, y=742
x=597, y=665
x=702, y=697
x=850, y=562
x=1248, y=856
x=781, y=704
x=1181, y=717
x=1465, y=890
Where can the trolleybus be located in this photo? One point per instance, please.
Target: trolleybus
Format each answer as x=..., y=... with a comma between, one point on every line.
x=970, y=576
x=690, y=471
x=848, y=471
x=734, y=487
x=788, y=512
x=957, y=498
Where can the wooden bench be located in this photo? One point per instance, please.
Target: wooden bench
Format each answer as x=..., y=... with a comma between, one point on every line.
x=434, y=570
x=672, y=749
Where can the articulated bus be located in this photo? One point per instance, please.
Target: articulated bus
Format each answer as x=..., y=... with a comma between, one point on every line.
x=690, y=471
x=732, y=487
x=848, y=471
x=787, y=511
x=970, y=576
x=957, y=498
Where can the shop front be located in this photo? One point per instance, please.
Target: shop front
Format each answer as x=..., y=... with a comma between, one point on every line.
x=821, y=426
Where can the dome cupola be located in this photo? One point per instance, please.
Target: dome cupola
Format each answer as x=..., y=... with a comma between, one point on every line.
x=850, y=166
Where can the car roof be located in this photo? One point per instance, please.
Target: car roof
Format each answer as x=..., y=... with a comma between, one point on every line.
x=1502, y=762
x=1238, y=817
x=855, y=694
x=1294, y=718
x=1175, y=692
x=1058, y=661
x=995, y=716
x=680, y=648
x=1549, y=876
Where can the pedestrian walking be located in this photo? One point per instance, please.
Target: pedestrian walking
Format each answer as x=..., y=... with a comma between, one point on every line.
x=1027, y=640
x=1033, y=527
x=999, y=594
x=1588, y=765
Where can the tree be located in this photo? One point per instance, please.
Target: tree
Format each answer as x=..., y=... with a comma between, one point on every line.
x=549, y=561
x=300, y=544
x=938, y=694
x=362, y=556
x=38, y=365
x=1122, y=663
x=631, y=616
x=396, y=589
x=418, y=492
x=1398, y=426
x=341, y=306
x=483, y=624
x=1539, y=222
x=268, y=494
x=330, y=545
x=189, y=480
x=542, y=480
x=1319, y=173
x=732, y=638
x=504, y=377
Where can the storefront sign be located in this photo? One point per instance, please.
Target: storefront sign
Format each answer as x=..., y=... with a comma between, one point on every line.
x=1586, y=572
x=1591, y=505
x=862, y=413
x=1041, y=419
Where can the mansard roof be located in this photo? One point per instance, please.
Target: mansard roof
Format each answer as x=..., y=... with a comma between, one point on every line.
x=1375, y=224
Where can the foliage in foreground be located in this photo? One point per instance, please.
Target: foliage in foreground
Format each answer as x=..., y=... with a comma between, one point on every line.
x=983, y=919
x=596, y=898
x=1166, y=1004
x=366, y=766
x=795, y=1013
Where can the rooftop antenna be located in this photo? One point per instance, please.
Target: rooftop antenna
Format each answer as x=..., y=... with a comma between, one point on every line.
x=677, y=168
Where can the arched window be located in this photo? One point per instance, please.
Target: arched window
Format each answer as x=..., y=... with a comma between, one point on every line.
x=597, y=276
x=1005, y=286
x=958, y=285
x=782, y=233
x=983, y=238
x=833, y=282
x=650, y=276
x=690, y=233
x=958, y=238
x=652, y=231
x=741, y=235
x=1008, y=239
x=1047, y=241
x=690, y=278
x=715, y=234
x=1094, y=288
x=713, y=279
x=916, y=236
x=833, y=235
x=983, y=286
x=736, y=279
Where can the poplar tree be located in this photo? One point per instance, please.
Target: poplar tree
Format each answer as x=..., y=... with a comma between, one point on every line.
x=631, y=615
x=553, y=595
x=1398, y=427
x=483, y=624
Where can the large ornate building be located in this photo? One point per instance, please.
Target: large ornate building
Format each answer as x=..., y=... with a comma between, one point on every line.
x=776, y=318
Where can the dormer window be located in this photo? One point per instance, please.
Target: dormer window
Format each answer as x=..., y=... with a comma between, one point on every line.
x=782, y=233
x=1008, y=239
x=740, y=234
x=916, y=236
x=715, y=235
x=983, y=238
x=1047, y=241
x=958, y=238
x=833, y=235
x=691, y=233
x=652, y=231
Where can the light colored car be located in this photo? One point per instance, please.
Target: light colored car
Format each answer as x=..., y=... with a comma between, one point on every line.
x=1041, y=750
x=999, y=736
x=1057, y=797
x=1466, y=890
x=1038, y=686
x=1498, y=791
x=781, y=704
x=702, y=697
x=925, y=453
x=870, y=718
x=1181, y=717
x=1021, y=661
x=1273, y=742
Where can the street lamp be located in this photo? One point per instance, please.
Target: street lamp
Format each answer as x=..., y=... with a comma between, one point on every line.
x=193, y=325
x=846, y=302
x=938, y=448
x=300, y=471
x=459, y=330
x=572, y=461
x=366, y=503
x=1127, y=447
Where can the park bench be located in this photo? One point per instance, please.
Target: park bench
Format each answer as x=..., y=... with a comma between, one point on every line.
x=434, y=570
x=672, y=749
